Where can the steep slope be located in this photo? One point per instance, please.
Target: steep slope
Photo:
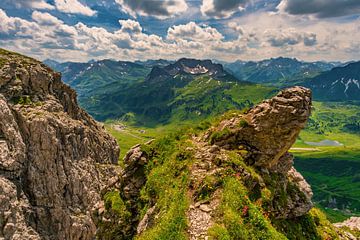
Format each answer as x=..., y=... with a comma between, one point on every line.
x=186, y=90
x=277, y=71
x=94, y=80
x=232, y=180
x=53, y=155
x=338, y=84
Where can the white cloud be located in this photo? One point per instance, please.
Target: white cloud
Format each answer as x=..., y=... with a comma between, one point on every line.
x=195, y=32
x=289, y=36
x=40, y=4
x=73, y=7
x=33, y=4
x=159, y=9
x=45, y=18
x=14, y=27
x=130, y=26
x=259, y=36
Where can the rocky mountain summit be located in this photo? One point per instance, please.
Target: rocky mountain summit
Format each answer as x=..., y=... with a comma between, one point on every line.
x=53, y=155
x=233, y=179
x=187, y=67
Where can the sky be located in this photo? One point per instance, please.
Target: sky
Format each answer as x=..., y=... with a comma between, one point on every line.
x=227, y=30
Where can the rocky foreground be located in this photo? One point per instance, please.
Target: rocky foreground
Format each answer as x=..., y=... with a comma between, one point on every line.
x=51, y=153
x=232, y=179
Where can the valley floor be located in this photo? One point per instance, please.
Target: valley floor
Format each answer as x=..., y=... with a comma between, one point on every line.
x=332, y=171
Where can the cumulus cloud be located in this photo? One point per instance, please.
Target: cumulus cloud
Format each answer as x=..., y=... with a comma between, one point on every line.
x=45, y=19
x=321, y=8
x=260, y=36
x=290, y=36
x=155, y=8
x=34, y=4
x=130, y=26
x=74, y=7
x=222, y=8
x=13, y=27
x=66, y=6
x=192, y=31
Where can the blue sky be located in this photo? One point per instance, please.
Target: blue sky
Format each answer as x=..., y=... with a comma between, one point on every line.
x=80, y=30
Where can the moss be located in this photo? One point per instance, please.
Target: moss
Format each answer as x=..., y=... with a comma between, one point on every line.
x=243, y=123
x=219, y=135
x=242, y=218
x=313, y=225
x=218, y=232
x=167, y=185
x=2, y=62
x=23, y=100
x=114, y=203
x=116, y=210
x=203, y=125
x=207, y=187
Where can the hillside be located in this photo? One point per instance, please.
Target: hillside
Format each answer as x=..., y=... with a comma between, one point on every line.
x=277, y=71
x=188, y=89
x=338, y=84
x=233, y=179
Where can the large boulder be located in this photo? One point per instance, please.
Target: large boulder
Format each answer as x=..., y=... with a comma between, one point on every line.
x=267, y=132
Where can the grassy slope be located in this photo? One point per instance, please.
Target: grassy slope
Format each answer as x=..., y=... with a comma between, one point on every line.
x=332, y=171
x=239, y=215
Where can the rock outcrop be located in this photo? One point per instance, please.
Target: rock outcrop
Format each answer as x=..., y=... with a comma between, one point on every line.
x=52, y=155
x=251, y=148
x=352, y=223
x=267, y=132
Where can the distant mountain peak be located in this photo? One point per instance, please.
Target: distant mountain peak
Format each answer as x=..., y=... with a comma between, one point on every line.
x=338, y=84
x=194, y=67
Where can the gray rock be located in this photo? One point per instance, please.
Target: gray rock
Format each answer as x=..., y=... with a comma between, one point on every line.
x=50, y=150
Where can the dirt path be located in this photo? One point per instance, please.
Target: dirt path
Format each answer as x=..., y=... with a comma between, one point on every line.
x=200, y=212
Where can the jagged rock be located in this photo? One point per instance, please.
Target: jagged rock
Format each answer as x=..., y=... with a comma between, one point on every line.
x=147, y=220
x=270, y=128
x=133, y=177
x=267, y=132
x=50, y=150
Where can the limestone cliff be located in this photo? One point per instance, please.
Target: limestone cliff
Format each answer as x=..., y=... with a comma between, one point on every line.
x=52, y=155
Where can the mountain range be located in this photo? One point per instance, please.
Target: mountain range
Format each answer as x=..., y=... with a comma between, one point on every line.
x=156, y=91
x=338, y=84
x=183, y=90
x=277, y=71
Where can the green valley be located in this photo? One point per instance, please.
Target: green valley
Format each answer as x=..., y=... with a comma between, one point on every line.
x=148, y=100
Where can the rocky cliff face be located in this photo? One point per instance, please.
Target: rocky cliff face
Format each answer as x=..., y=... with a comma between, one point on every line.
x=53, y=155
x=267, y=132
